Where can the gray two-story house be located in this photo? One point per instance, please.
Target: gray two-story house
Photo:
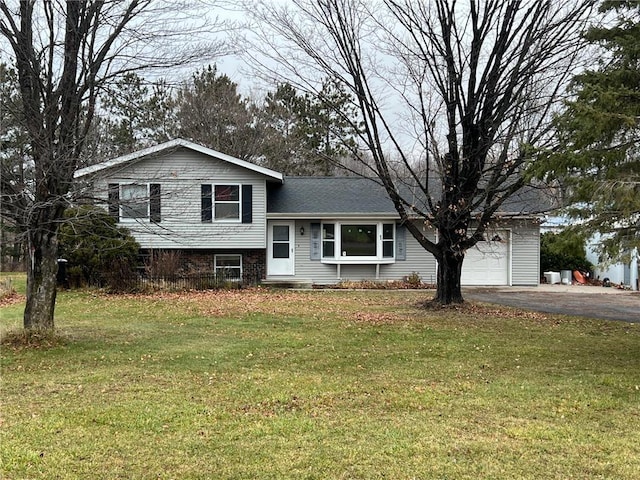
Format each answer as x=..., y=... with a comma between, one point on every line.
x=221, y=212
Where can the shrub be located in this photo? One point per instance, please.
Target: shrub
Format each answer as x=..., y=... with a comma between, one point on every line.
x=97, y=250
x=414, y=279
x=563, y=251
x=164, y=263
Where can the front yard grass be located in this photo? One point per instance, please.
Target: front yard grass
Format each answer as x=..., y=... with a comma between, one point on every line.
x=319, y=385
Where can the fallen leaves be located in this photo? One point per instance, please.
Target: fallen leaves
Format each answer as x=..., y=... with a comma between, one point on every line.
x=11, y=299
x=478, y=310
x=32, y=339
x=375, y=318
x=363, y=307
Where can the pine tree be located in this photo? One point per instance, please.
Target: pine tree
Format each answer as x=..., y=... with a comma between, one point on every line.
x=599, y=163
x=210, y=111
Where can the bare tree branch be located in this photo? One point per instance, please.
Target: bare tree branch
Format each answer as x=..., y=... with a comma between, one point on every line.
x=476, y=82
x=65, y=53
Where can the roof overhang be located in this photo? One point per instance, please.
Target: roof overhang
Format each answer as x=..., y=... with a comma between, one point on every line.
x=332, y=216
x=374, y=215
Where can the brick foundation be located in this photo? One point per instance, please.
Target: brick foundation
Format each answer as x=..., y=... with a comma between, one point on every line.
x=190, y=261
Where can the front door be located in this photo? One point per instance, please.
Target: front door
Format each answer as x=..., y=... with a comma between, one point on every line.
x=280, y=259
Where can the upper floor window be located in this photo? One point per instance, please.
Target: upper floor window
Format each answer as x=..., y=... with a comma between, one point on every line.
x=226, y=202
x=135, y=201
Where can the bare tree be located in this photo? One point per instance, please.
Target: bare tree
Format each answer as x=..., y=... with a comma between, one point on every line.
x=64, y=53
x=456, y=95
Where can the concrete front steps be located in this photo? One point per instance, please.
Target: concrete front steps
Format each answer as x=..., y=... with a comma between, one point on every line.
x=286, y=283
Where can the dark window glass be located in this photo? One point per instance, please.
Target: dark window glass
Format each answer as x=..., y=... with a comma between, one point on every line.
x=280, y=233
x=227, y=211
x=135, y=201
x=328, y=231
x=154, y=203
x=388, y=247
x=328, y=240
x=227, y=193
x=229, y=266
x=358, y=240
x=281, y=250
x=328, y=249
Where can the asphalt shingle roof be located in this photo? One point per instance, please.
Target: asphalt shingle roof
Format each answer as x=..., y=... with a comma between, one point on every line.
x=358, y=195
x=333, y=195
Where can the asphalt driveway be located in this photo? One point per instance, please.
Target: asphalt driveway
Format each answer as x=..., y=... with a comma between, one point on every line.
x=591, y=302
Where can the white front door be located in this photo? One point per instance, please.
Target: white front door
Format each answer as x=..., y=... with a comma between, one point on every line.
x=280, y=257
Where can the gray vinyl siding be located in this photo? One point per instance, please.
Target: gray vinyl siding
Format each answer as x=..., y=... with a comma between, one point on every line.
x=418, y=260
x=524, y=259
x=181, y=174
x=525, y=253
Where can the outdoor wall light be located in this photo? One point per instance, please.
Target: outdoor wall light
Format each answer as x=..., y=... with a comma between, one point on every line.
x=301, y=231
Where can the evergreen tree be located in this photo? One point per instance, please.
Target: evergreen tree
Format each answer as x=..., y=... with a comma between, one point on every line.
x=281, y=121
x=96, y=248
x=563, y=251
x=599, y=162
x=210, y=111
x=134, y=114
x=307, y=134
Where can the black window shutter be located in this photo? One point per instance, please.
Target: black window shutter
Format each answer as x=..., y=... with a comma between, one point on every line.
x=247, y=203
x=401, y=242
x=154, y=202
x=114, y=200
x=316, y=242
x=207, y=205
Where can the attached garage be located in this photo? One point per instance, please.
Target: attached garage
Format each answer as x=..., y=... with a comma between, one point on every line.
x=488, y=262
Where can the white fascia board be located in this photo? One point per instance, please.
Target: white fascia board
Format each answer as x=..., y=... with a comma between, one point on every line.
x=333, y=216
x=172, y=144
x=517, y=216
x=371, y=216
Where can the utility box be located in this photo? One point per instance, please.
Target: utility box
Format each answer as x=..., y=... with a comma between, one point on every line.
x=552, y=277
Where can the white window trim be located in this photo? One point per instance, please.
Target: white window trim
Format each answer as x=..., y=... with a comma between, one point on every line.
x=214, y=202
x=361, y=260
x=121, y=217
x=216, y=268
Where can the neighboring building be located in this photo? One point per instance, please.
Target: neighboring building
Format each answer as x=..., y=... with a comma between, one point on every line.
x=224, y=213
x=626, y=274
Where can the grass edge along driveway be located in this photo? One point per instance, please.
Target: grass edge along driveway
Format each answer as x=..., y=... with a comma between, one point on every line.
x=278, y=384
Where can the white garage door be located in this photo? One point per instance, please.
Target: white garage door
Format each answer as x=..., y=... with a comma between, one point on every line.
x=488, y=262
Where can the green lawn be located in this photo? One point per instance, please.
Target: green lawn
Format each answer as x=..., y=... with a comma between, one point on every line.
x=320, y=384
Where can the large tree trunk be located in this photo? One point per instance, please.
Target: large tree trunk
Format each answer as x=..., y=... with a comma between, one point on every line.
x=449, y=273
x=42, y=269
